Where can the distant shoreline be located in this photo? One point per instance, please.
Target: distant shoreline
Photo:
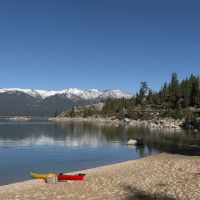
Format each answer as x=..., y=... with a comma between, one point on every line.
x=16, y=118
x=22, y=118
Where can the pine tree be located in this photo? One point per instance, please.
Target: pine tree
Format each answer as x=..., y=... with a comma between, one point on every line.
x=150, y=97
x=174, y=92
x=156, y=98
x=194, y=95
x=185, y=91
x=137, y=99
x=164, y=93
x=143, y=91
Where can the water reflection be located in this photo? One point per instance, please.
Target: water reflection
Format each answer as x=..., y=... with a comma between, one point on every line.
x=91, y=135
x=44, y=146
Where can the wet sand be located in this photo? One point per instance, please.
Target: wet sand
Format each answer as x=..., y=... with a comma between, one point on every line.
x=158, y=177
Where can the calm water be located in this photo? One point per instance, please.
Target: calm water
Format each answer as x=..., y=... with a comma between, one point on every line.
x=42, y=146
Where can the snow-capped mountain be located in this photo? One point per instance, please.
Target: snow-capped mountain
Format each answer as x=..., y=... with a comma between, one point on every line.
x=69, y=93
x=17, y=101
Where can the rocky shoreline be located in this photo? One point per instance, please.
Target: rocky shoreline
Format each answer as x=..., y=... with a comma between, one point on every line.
x=153, y=123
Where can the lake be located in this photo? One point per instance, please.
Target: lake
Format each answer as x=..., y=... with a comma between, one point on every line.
x=44, y=146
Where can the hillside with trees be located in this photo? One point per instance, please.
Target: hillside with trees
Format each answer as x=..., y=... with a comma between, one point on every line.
x=177, y=100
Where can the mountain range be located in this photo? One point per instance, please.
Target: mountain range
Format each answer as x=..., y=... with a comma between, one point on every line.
x=29, y=102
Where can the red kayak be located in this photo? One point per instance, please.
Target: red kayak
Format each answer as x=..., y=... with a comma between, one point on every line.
x=76, y=177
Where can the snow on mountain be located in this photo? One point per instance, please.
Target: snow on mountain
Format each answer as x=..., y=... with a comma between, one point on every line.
x=84, y=94
x=46, y=93
x=70, y=93
x=115, y=94
x=14, y=90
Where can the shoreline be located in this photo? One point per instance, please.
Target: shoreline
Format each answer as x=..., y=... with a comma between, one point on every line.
x=147, y=177
x=162, y=123
x=165, y=123
x=80, y=171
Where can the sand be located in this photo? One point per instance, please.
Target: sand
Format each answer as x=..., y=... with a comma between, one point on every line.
x=158, y=177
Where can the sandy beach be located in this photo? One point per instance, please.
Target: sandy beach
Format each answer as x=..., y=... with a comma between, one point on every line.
x=162, y=176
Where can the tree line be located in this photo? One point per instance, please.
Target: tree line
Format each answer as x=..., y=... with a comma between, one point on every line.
x=177, y=99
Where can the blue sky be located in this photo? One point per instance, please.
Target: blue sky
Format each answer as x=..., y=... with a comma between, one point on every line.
x=104, y=44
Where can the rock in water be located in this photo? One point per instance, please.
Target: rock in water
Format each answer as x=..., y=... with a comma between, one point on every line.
x=132, y=142
x=136, y=142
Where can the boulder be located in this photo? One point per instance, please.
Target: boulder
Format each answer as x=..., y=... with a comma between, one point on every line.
x=135, y=142
x=132, y=142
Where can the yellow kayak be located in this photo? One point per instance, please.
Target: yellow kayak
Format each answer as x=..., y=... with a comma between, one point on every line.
x=42, y=176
